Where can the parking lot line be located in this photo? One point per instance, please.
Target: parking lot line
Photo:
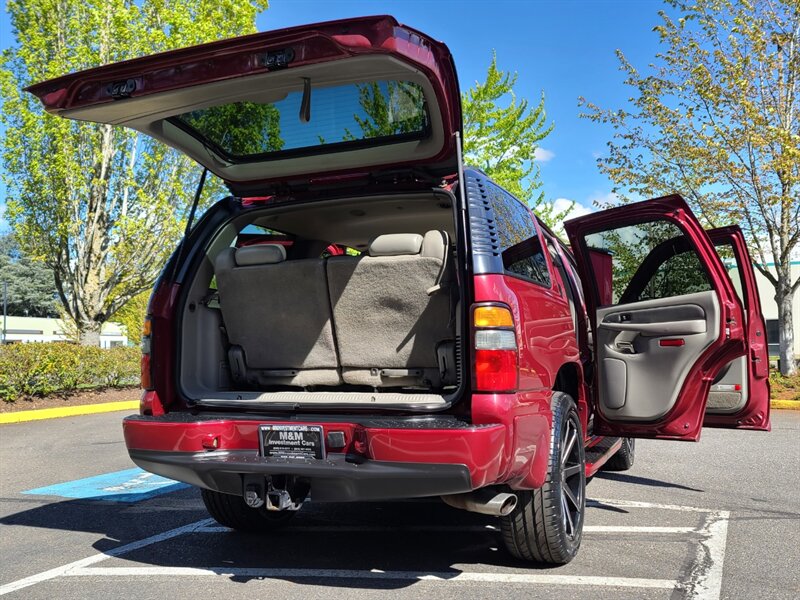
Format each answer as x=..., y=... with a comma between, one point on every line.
x=441, y=577
x=600, y=502
x=704, y=583
x=90, y=560
x=455, y=529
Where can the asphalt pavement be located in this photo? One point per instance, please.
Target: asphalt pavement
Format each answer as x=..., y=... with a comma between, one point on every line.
x=718, y=519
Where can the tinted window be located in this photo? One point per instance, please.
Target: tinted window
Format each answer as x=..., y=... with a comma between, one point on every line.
x=377, y=111
x=773, y=337
x=648, y=261
x=519, y=241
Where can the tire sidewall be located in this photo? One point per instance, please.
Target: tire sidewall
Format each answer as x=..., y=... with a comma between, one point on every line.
x=564, y=409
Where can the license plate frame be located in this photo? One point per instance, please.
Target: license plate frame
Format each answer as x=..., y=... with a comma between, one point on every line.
x=292, y=442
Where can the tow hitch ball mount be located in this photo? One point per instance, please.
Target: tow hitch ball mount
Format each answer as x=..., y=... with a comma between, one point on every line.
x=284, y=493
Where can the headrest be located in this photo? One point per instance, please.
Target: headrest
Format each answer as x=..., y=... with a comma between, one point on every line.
x=434, y=244
x=260, y=254
x=395, y=244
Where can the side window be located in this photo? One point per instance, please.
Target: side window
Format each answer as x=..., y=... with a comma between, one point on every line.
x=520, y=246
x=728, y=258
x=646, y=261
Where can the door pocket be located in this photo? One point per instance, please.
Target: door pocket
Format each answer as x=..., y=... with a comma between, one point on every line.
x=615, y=382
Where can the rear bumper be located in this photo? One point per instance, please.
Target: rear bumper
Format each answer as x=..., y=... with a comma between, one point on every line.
x=403, y=458
x=334, y=479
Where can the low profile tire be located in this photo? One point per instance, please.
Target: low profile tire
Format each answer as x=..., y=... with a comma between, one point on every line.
x=231, y=511
x=623, y=459
x=547, y=524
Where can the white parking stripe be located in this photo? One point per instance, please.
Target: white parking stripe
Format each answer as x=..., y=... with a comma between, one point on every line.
x=90, y=560
x=599, y=502
x=454, y=529
x=542, y=579
x=705, y=582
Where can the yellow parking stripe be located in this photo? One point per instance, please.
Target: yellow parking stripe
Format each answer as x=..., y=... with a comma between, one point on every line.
x=785, y=404
x=66, y=411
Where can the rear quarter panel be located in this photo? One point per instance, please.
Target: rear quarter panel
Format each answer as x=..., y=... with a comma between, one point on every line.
x=546, y=341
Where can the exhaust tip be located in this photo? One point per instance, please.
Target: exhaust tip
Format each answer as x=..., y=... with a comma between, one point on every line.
x=508, y=505
x=484, y=501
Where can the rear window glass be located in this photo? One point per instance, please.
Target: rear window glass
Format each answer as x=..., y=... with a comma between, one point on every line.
x=354, y=114
x=519, y=241
x=646, y=261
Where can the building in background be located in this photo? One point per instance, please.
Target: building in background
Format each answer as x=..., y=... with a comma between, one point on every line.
x=34, y=329
x=770, y=308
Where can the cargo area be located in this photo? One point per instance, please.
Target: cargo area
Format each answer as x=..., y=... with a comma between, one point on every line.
x=351, y=301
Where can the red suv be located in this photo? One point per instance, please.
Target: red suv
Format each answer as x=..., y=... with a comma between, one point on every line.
x=364, y=318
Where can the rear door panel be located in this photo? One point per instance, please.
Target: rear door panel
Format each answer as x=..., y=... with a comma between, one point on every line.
x=668, y=331
x=739, y=397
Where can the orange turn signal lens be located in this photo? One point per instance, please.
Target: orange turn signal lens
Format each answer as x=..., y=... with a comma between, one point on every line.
x=492, y=316
x=147, y=327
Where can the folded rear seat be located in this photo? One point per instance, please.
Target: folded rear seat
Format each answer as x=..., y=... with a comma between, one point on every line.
x=393, y=324
x=277, y=316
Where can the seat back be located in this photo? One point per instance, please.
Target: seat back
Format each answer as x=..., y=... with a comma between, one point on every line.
x=389, y=316
x=277, y=316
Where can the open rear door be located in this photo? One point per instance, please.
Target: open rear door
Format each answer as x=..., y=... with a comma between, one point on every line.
x=285, y=109
x=672, y=323
x=739, y=396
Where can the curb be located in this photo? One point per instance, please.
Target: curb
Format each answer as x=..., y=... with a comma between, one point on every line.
x=66, y=411
x=785, y=404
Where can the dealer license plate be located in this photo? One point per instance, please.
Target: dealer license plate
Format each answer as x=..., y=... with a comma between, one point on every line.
x=292, y=441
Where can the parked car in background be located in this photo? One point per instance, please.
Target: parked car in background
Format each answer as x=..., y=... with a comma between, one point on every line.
x=365, y=318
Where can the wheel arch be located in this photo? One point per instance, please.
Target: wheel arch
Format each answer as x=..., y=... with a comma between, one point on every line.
x=570, y=380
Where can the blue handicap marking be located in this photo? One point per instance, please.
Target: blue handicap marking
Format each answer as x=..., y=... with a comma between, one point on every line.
x=131, y=485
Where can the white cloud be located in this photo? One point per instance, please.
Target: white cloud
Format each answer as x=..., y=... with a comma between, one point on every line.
x=576, y=209
x=541, y=155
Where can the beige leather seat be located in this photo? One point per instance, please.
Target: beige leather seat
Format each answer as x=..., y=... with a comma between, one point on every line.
x=392, y=313
x=278, y=318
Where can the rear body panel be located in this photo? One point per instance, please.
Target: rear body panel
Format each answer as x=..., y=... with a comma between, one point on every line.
x=755, y=412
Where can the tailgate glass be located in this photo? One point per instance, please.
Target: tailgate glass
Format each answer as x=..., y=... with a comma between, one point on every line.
x=356, y=114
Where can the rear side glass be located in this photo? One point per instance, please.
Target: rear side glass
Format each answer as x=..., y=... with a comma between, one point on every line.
x=646, y=261
x=728, y=258
x=520, y=246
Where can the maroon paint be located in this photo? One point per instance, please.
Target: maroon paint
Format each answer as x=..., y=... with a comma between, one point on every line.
x=545, y=341
x=243, y=56
x=479, y=448
x=755, y=414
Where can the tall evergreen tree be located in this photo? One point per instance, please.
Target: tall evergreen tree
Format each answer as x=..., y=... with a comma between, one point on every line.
x=29, y=283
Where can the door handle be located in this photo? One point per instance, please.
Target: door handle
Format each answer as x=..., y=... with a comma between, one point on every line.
x=626, y=347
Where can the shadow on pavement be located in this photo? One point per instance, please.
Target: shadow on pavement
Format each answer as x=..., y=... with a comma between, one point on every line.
x=621, y=477
x=418, y=536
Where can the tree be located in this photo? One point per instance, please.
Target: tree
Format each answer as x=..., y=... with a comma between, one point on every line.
x=717, y=119
x=100, y=206
x=31, y=289
x=501, y=134
x=131, y=316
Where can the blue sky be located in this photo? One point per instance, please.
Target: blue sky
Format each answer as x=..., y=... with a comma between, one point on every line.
x=564, y=48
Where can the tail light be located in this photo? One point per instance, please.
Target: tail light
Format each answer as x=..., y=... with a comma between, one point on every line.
x=150, y=403
x=146, y=374
x=495, y=349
